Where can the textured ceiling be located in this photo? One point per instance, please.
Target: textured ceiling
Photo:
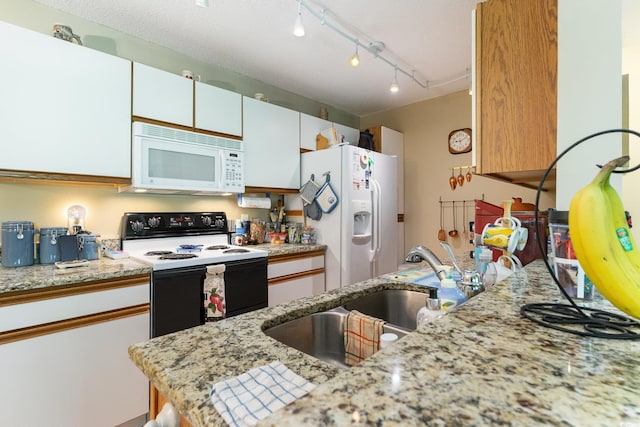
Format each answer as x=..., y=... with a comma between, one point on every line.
x=254, y=38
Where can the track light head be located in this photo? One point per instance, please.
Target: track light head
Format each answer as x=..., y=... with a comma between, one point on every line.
x=298, y=28
x=355, y=59
x=394, y=88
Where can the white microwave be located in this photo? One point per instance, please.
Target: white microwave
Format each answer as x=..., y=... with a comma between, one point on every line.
x=173, y=161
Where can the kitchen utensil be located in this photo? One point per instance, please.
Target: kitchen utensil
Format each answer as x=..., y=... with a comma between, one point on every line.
x=460, y=178
x=454, y=232
x=464, y=219
x=442, y=236
x=453, y=182
x=469, y=175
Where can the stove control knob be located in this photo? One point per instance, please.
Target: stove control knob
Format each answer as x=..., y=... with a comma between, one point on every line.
x=206, y=220
x=137, y=226
x=220, y=223
x=154, y=221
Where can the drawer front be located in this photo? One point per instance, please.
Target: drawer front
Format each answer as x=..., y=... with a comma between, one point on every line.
x=277, y=269
x=51, y=310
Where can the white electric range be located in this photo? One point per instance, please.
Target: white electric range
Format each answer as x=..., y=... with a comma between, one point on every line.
x=179, y=246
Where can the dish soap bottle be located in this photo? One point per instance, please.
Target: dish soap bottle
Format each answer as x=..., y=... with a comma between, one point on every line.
x=432, y=309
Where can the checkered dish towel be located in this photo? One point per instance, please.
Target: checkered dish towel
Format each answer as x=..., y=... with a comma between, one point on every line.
x=246, y=399
x=361, y=337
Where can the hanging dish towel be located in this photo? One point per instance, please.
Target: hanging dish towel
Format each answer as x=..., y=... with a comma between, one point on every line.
x=214, y=302
x=246, y=399
x=361, y=337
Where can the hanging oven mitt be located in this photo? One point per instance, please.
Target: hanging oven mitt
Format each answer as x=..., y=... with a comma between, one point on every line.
x=308, y=195
x=326, y=196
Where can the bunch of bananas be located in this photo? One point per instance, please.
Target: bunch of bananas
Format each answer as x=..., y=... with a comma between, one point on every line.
x=603, y=243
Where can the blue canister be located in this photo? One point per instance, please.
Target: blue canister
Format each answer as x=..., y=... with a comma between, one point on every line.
x=89, y=246
x=17, y=243
x=49, y=248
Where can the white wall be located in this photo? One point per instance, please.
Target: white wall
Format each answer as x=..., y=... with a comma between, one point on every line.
x=631, y=181
x=589, y=90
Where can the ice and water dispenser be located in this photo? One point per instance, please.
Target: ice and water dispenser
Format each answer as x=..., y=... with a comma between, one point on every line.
x=361, y=219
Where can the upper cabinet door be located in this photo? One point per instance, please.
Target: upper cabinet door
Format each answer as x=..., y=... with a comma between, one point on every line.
x=310, y=127
x=160, y=95
x=271, y=145
x=218, y=110
x=347, y=134
x=65, y=108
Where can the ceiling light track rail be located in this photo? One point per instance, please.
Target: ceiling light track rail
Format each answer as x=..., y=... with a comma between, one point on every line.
x=374, y=48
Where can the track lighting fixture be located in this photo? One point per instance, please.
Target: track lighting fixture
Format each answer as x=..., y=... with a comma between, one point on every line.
x=355, y=59
x=298, y=28
x=375, y=48
x=394, y=86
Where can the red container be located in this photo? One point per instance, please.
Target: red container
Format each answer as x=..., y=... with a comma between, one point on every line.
x=487, y=213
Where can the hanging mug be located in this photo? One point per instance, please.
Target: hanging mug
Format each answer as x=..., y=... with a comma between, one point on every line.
x=504, y=233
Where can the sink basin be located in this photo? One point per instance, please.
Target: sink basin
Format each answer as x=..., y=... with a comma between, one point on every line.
x=320, y=335
x=395, y=306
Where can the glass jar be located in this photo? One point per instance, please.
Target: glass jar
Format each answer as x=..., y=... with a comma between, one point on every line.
x=308, y=236
x=257, y=229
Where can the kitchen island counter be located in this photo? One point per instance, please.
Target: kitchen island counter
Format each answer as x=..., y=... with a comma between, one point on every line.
x=483, y=364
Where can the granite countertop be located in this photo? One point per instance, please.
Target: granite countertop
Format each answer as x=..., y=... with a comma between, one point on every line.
x=41, y=276
x=482, y=364
x=286, y=249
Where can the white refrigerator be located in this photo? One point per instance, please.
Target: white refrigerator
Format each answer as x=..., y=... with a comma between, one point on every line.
x=361, y=232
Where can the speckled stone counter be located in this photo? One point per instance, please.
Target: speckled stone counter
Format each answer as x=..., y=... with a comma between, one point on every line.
x=286, y=249
x=483, y=364
x=41, y=276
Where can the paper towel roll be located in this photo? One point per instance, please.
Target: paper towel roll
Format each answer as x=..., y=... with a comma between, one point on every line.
x=254, y=202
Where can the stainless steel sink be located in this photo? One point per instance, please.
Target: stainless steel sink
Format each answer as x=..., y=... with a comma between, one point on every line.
x=395, y=306
x=321, y=334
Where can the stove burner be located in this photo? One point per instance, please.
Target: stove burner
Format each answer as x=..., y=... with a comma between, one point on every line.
x=153, y=253
x=217, y=247
x=178, y=256
x=235, y=251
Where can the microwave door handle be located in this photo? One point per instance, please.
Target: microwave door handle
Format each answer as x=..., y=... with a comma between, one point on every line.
x=221, y=185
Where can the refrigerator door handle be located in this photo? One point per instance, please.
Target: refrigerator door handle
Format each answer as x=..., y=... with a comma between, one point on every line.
x=374, y=253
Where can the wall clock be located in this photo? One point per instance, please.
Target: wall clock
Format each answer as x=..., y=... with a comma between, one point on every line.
x=460, y=141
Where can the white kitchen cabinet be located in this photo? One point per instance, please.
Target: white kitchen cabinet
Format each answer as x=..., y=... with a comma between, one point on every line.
x=271, y=140
x=163, y=96
x=218, y=110
x=310, y=127
x=66, y=109
x=295, y=276
x=65, y=359
x=347, y=134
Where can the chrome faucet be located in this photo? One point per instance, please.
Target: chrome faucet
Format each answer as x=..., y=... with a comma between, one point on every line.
x=420, y=253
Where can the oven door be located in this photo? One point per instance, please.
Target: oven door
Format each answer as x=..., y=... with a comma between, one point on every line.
x=176, y=299
x=177, y=295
